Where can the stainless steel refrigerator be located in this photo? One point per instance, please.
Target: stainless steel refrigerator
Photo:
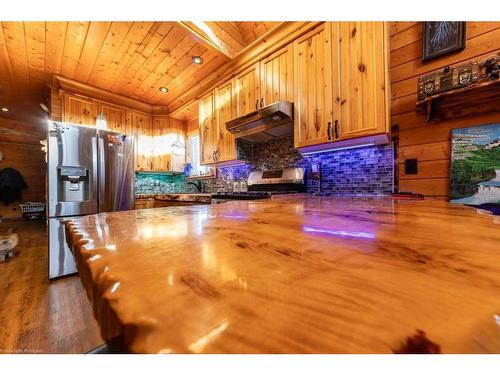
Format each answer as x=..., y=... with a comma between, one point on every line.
x=88, y=171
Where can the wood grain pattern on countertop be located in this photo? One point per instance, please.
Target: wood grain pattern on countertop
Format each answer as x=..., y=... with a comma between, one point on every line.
x=294, y=274
x=178, y=197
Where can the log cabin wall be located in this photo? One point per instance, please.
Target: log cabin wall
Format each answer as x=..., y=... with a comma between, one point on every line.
x=430, y=144
x=20, y=145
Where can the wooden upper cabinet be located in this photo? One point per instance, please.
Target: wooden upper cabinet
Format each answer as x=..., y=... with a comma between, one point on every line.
x=225, y=110
x=208, y=129
x=115, y=116
x=276, y=76
x=247, y=86
x=314, y=87
x=79, y=109
x=161, y=146
x=143, y=131
x=363, y=70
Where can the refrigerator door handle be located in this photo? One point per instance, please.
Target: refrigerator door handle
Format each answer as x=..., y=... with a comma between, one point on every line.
x=101, y=160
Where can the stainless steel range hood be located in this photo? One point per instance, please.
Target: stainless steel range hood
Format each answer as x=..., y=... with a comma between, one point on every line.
x=265, y=124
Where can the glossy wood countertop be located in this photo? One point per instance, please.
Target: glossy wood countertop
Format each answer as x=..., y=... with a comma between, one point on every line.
x=294, y=274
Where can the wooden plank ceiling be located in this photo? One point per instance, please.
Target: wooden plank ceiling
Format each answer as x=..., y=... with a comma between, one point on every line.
x=133, y=59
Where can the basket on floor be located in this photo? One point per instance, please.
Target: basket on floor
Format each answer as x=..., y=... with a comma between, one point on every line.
x=33, y=210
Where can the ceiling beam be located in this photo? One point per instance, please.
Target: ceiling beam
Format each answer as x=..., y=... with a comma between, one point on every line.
x=216, y=37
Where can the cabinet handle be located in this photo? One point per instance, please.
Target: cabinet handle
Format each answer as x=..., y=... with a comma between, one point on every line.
x=261, y=102
x=329, y=130
x=336, y=129
x=257, y=104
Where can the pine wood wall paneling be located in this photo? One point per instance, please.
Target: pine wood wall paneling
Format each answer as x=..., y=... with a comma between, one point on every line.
x=32, y=169
x=430, y=144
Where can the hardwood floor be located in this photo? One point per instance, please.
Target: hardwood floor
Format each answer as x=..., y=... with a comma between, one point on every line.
x=38, y=316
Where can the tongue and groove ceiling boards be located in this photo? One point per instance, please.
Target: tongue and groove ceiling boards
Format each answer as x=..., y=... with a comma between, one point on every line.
x=133, y=59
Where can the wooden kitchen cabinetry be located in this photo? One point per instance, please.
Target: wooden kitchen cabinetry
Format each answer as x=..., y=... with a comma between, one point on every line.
x=167, y=130
x=225, y=110
x=142, y=127
x=115, y=116
x=314, y=83
x=276, y=76
x=78, y=109
x=363, y=96
x=247, y=85
x=340, y=79
x=208, y=129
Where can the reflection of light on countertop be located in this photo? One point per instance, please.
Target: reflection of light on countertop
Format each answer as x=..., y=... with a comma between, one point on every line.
x=172, y=230
x=115, y=287
x=170, y=279
x=111, y=247
x=497, y=319
x=341, y=233
x=232, y=216
x=93, y=258
x=199, y=344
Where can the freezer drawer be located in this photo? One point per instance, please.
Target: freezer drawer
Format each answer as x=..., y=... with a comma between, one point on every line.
x=61, y=261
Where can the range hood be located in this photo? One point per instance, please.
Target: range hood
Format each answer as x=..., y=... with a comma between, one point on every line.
x=265, y=124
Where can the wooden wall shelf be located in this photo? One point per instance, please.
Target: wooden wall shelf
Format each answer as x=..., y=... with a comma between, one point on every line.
x=476, y=99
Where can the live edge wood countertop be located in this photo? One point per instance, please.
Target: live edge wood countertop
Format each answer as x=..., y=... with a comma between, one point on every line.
x=294, y=274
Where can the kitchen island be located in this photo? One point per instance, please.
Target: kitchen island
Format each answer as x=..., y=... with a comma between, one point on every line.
x=294, y=274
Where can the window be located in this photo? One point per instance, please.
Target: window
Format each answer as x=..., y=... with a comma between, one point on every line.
x=193, y=154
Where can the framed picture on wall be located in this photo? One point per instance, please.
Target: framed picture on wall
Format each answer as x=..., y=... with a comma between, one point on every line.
x=441, y=38
x=475, y=166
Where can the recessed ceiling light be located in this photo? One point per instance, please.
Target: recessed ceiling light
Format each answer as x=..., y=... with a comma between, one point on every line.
x=197, y=60
x=5, y=109
x=163, y=89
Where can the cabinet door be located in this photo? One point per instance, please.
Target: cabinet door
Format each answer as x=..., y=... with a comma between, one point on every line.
x=143, y=129
x=247, y=84
x=208, y=129
x=225, y=110
x=79, y=109
x=363, y=96
x=313, y=82
x=276, y=76
x=115, y=116
x=161, y=146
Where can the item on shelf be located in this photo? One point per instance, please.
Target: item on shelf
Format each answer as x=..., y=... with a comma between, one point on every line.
x=33, y=210
x=448, y=79
x=491, y=67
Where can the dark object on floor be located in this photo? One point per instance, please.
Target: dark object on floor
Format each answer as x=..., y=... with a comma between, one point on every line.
x=11, y=185
x=418, y=344
x=8, y=244
x=494, y=208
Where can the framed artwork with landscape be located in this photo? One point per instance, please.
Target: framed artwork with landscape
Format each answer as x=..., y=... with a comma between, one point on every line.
x=475, y=166
x=441, y=38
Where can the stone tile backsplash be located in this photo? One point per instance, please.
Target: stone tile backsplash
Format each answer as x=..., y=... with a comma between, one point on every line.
x=364, y=170
x=161, y=183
